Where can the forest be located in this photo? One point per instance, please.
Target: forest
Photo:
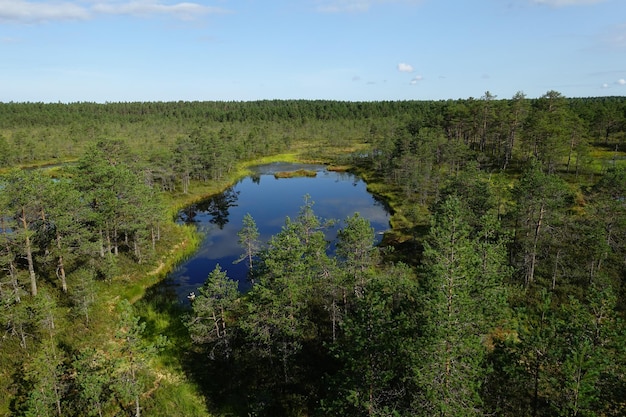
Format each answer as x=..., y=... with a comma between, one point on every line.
x=499, y=290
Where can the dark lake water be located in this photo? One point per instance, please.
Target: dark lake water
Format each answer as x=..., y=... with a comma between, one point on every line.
x=336, y=195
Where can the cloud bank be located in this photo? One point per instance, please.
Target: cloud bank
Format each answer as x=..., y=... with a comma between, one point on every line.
x=30, y=12
x=347, y=6
x=564, y=3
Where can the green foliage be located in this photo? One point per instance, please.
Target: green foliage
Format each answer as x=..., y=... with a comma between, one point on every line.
x=44, y=376
x=248, y=239
x=209, y=324
x=462, y=302
x=377, y=349
x=344, y=335
x=5, y=152
x=540, y=203
x=93, y=380
x=83, y=294
x=131, y=359
x=607, y=221
x=176, y=399
x=355, y=247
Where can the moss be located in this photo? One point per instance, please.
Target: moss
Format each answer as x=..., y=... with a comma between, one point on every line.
x=294, y=174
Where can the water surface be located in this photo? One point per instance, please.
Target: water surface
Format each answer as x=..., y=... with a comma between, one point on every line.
x=336, y=195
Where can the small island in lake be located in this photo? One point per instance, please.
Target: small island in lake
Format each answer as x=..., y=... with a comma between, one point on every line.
x=294, y=174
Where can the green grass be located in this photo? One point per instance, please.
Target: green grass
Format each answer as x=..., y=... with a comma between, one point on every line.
x=294, y=174
x=175, y=398
x=177, y=395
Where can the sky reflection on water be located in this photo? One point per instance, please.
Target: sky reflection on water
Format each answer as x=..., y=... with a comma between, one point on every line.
x=269, y=201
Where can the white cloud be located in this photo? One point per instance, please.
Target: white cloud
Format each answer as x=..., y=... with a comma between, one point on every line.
x=341, y=6
x=182, y=10
x=605, y=85
x=416, y=79
x=621, y=81
x=344, y=6
x=24, y=11
x=21, y=11
x=564, y=3
x=403, y=67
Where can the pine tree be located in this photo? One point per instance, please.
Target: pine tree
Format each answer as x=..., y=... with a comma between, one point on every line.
x=376, y=349
x=355, y=249
x=462, y=298
x=22, y=200
x=93, y=381
x=45, y=372
x=131, y=358
x=69, y=238
x=249, y=241
x=539, y=201
x=209, y=323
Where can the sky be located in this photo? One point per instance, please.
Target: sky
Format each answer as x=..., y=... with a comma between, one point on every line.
x=348, y=50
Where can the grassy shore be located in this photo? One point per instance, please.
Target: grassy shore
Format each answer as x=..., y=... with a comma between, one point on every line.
x=177, y=393
x=295, y=174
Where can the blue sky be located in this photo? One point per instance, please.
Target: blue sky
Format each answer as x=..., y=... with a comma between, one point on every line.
x=355, y=50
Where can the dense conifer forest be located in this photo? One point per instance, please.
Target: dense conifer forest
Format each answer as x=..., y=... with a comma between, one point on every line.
x=500, y=288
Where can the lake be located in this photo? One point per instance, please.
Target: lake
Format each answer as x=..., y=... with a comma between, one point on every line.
x=336, y=195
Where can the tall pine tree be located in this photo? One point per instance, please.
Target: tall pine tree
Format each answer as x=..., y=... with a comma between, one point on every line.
x=462, y=297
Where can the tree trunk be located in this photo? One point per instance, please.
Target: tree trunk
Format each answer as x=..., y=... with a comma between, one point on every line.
x=137, y=408
x=14, y=282
x=61, y=267
x=108, y=239
x=57, y=399
x=61, y=274
x=134, y=381
x=569, y=155
x=29, y=255
x=116, y=250
x=101, y=244
x=577, y=391
x=185, y=181
x=22, y=334
x=12, y=271
x=530, y=276
x=333, y=315
x=556, y=267
x=217, y=326
x=536, y=371
x=137, y=249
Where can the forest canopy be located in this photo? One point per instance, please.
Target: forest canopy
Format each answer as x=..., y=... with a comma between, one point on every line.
x=500, y=289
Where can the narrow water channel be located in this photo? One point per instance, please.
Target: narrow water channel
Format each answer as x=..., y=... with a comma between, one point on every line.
x=336, y=195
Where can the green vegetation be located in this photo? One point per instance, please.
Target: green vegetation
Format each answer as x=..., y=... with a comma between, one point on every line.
x=294, y=174
x=499, y=291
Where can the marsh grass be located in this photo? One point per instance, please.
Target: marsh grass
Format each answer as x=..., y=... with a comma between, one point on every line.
x=177, y=393
x=602, y=158
x=294, y=174
x=175, y=398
